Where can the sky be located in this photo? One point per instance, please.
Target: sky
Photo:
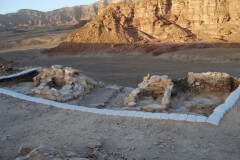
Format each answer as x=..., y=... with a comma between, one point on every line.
x=9, y=6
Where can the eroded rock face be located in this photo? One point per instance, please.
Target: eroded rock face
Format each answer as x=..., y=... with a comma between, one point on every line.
x=26, y=18
x=62, y=84
x=153, y=21
x=157, y=87
x=209, y=82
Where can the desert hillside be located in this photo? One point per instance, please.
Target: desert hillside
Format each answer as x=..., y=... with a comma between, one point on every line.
x=69, y=15
x=165, y=21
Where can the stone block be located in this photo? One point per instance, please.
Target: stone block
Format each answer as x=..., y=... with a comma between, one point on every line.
x=174, y=116
x=131, y=113
x=165, y=116
x=201, y=118
x=139, y=114
x=147, y=115
x=192, y=118
x=214, y=119
x=182, y=117
x=221, y=108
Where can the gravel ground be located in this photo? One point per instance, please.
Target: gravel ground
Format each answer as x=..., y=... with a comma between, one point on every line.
x=121, y=138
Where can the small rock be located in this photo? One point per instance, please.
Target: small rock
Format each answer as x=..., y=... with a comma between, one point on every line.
x=94, y=145
x=5, y=138
x=24, y=149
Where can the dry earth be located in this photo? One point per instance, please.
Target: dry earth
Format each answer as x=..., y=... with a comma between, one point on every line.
x=11, y=40
x=128, y=70
x=121, y=138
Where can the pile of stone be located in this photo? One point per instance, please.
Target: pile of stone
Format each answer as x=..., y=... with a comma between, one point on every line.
x=209, y=82
x=62, y=84
x=157, y=87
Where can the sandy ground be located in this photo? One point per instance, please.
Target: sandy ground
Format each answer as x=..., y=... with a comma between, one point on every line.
x=25, y=122
x=122, y=138
x=129, y=70
x=33, y=38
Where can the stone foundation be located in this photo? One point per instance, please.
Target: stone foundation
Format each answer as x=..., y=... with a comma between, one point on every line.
x=156, y=93
x=62, y=84
x=213, y=118
x=209, y=82
x=159, y=88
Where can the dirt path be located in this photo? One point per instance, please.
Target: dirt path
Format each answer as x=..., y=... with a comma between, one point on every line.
x=24, y=122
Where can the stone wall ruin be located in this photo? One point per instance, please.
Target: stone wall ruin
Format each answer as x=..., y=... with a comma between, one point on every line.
x=159, y=88
x=198, y=92
x=62, y=84
x=209, y=82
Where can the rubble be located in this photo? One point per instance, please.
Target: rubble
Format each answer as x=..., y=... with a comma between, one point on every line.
x=159, y=88
x=62, y=84
x=198, y=93
x=24, y=149
x=209, y=82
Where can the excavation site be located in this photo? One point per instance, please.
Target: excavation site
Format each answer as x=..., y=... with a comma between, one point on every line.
x=120, y=80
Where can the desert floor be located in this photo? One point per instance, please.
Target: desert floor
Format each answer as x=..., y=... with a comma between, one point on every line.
x=121, y=138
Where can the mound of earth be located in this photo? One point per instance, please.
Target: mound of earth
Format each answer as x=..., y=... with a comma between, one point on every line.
x=158, y=22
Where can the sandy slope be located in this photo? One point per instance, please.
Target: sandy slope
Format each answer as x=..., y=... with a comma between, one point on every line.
x=33, y=38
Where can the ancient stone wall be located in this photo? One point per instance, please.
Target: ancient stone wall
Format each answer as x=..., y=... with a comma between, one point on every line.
x=209, y=82
x=62, y=84
x=157, y=87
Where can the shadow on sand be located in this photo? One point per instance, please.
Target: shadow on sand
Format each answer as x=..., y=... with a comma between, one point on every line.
x=156, y=49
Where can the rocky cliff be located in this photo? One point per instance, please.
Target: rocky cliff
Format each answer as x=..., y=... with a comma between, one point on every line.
x=69, y=15
x=168, y=21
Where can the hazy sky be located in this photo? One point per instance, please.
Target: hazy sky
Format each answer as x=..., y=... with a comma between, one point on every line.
x=8, y=6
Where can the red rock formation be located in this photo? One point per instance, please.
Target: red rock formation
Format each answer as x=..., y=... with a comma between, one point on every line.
x=165, y=21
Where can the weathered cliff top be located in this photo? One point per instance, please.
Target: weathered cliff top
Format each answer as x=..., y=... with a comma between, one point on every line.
x=164, y=21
